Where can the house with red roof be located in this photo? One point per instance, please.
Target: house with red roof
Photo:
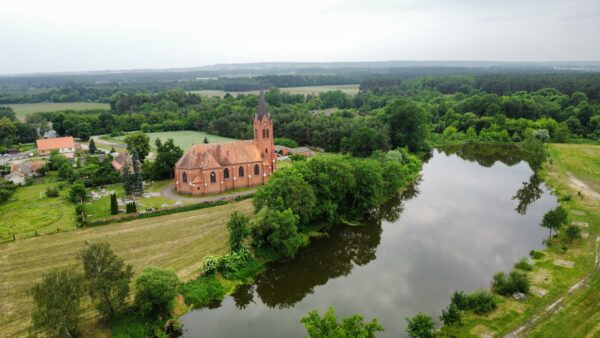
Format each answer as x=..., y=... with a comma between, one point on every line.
x=64, y=145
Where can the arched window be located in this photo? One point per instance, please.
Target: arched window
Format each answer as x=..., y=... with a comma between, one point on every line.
x=213, y=177
x=267, y=133
x=226, y=173
x=184, y=177
x=241, y=172
x=256, y=170
x=266, y=150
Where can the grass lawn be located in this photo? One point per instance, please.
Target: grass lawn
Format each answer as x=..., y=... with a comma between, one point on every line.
x=177, y=242
x=22, y=109
x=579, y=314
x=309, y=90
x=29, y=210
x=184, y=139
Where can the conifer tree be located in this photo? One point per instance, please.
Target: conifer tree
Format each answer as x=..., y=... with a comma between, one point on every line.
x=127, y=179
x=114, y=206
x=137, y=180
x=92, y=146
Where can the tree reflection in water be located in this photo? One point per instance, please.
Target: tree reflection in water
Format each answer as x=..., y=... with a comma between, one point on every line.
x=529, y=193
x=485, y=154
x=284, y=284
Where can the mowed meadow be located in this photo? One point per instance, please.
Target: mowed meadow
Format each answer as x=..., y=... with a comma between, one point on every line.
x=22, y=109
x=178, y=242
x=351, y=89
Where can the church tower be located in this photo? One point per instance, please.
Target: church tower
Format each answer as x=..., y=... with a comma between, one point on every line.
x=263, y=134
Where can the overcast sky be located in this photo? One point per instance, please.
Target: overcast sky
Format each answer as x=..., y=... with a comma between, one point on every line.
x=76, y=35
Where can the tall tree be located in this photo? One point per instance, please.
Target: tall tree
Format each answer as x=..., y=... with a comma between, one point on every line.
x=137, y=179
x=534, y=152
x=138, y=142
x=127, y=180
x=238, y=226
x=167, y=155
x=92, y=146
x=114, y=206
x=155, y=293
x=409, y=125
x=57, y=310
x=107, y=275
x=420, y=326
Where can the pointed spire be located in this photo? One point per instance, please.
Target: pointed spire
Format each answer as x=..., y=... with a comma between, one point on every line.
x=262, y=106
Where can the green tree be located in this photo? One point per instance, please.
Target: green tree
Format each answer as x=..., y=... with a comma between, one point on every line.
x=56, y=160
x=562, y=134
x=130, y=208
x=107, y=275
x=57, y=310
x=136, y=179
x=127, y=180
x=138, y=142
x=167, y=155
x=77, y=193
x=363, y=142
x=238, y=226
x=8, y=132
x=156, y=289
x=92, y=146
x=554, y=219
x=65, y=171
x=451, y=315
x=114, y=206
x=534, y=152
x=420, y=326
x=287, y=189
x=328, y=326
x=205, y=140
x=409, y=125
x=277, y=231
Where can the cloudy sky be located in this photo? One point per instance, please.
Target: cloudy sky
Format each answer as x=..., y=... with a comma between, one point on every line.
x=75, y=35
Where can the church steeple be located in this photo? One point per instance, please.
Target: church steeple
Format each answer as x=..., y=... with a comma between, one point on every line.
x=262, y=106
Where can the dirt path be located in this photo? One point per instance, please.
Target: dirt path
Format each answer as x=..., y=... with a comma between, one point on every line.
x=583, y=187
x=556, y=306
x=101, y=141
x=169, y=192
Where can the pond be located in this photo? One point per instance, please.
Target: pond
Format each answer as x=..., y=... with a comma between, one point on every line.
x=475, y=211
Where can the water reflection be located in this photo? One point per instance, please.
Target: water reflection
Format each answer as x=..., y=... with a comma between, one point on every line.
x=529, y=193
x=485, y=155
x=452, y=230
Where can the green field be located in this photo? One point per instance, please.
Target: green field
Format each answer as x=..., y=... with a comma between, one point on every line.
x=30, y=210
x=184, y=139
x=578, y=313
x=312, y=90
x=22, y=109
x=179, y=243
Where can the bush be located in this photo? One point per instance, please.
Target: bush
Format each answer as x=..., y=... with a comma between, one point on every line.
x=130, y=208
x=211, y=264
x=573, y=232
x=508, y=285
x=523, y=264
x=52, y=192
x=245, y=272
x=132, y=324
x=286, y=142
x=535, y=254
x=481, y=302
x=420, y=326
x=202, y=291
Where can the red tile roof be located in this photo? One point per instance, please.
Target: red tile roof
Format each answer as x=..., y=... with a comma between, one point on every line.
x=56, y=143
x=211, y=156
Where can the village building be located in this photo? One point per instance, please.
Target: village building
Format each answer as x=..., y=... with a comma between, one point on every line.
x=286, y=151
x=120, y=160
x=214, y=168
x=64, y=145
x=21, y=171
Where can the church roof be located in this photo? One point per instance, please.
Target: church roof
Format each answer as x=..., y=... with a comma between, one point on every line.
x=262, y=106
x=212, y=156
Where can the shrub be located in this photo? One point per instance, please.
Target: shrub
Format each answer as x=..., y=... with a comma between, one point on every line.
x=238, y=230
x=420, y=326
x=507, y=285
x=203, y=291
x=52, y=192
x=523, y=264
x=297, y=158
x=535, y=254
x=286, y=142
x=481, y=302
x=244, y=272
x=130, y=208
x=573, y=232
x=328, y=325
x=211, y=264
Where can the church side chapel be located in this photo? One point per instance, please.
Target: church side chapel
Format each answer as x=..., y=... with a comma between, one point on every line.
x=214, y=168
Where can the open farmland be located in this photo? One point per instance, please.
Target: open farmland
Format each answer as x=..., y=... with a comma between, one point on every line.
x=178, y=243
x=184, y=138
x=311, y=90
x=22, y=109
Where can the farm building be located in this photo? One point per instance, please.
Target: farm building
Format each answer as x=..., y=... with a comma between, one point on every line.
x=120, y=160
x=20, y=171
x=64, y=145
x=213, y=168
x=285, y=151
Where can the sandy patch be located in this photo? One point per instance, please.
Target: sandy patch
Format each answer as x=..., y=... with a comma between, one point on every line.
x=540, y=292
x=583, y=187
x=581, y=224
x=541, y=276
x=482, y=331
x=563, y=263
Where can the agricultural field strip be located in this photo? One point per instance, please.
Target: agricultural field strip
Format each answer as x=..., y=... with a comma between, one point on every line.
x=174, y=242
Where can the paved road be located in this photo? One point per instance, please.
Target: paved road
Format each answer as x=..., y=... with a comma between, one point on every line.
x=169, y=192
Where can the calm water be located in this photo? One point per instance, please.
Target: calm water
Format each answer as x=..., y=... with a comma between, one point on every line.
x=452, y=231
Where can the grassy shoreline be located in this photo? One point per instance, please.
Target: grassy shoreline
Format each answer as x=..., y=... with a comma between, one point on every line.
x=569, y=306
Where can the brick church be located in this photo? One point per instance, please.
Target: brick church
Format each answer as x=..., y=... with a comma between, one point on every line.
x=214, y=168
